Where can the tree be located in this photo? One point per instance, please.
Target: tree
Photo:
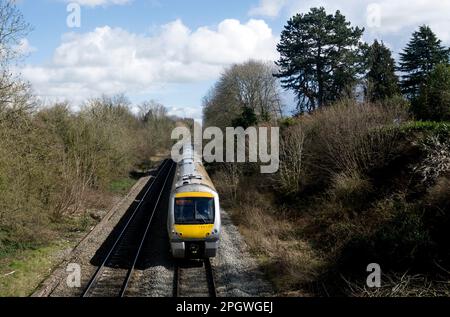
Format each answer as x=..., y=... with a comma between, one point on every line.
x=247, y=119
x=150, y=111
x=381, y=80
x=13, y=28
x=423, y=52
x=434, y=100
x=245, y=92
x=320, y=57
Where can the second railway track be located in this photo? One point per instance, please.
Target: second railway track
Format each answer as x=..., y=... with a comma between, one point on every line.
x=113, y=275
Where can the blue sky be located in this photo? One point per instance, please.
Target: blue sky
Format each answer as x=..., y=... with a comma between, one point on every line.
x=174, y=50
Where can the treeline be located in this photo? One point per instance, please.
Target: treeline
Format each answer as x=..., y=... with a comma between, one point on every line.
x=54, y=159
x=56, y=163
x=323, y=60
x=361, y=180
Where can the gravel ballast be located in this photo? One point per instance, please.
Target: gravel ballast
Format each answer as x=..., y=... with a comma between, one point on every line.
x=236, y=272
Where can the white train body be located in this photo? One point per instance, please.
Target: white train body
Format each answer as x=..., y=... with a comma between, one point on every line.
x=193, y=222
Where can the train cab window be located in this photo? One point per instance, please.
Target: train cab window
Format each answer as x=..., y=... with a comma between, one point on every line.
x=194, y=210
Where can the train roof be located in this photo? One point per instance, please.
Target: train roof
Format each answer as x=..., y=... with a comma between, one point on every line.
x=190, y=171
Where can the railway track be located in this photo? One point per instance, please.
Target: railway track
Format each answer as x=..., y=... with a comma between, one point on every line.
x=112, y=277
x=194, y=279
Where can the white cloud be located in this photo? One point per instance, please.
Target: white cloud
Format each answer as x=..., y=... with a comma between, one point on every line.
x=397, y=17
x=112, y=60
x=269, y=8
x=24, y=47
x=186, y=112
x=400, y=14
x=94, y=3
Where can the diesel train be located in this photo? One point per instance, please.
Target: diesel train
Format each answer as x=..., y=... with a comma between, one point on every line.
x=193, y=221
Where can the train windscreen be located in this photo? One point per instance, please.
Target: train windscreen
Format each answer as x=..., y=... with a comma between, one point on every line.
x=194, y=210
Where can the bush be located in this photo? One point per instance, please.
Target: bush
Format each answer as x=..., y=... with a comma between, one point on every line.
x=437, y=159
x=292, y=174
x=437, y=217
x=402, y=242
x=437, y=128
x=52, y=159
x=351, y=189
x=344, y=138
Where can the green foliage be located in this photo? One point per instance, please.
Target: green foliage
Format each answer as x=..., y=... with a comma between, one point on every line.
x=247, y=119
x=287, y=122
x=437, y=128
x=382, y=82
x=433, y=102
x=422, y=54
x=122, y=185
x=321, y=57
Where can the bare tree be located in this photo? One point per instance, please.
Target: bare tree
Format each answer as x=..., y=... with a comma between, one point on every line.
x=250, y=85
x=13, y=29
x=292, y=157
x=152, y=110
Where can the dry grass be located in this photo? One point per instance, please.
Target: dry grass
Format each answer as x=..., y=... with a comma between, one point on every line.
x=351, y=189
x=439, y=193
x=437, y=160
x=290, y=262
x=403, y=285
x=348, y=195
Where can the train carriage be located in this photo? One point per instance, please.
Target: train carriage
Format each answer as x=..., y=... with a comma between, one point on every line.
x=193, y=222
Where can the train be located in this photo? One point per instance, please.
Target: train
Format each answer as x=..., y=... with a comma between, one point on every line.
x=193, y=220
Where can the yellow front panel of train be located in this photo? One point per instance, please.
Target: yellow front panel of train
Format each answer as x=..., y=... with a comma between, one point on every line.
x=194, y=195
x=194, y=231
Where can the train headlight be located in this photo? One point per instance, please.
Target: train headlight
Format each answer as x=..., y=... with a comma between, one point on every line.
x=176, y=233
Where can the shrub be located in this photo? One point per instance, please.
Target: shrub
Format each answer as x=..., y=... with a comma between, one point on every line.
x=398, y=241
x=437, y=217
x=351, y=189
x=52, y=160
x=437, y=159
x=342, y=138
x=227, y=179
x=437, y=128
x=292, y=175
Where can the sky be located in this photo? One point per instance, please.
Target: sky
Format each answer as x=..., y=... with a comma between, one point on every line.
x=172, y=51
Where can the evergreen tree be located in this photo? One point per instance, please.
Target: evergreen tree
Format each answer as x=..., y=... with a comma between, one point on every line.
x=320, y=57
x=434, y=99
x=381, y=80
x=247, y=119
x=423, y=52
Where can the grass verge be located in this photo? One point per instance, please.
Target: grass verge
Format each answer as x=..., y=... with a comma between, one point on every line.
x=24, y=270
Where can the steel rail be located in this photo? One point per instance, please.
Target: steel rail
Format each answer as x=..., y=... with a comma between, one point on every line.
x=210, y=280
x=144, y=236
x=100, y=269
